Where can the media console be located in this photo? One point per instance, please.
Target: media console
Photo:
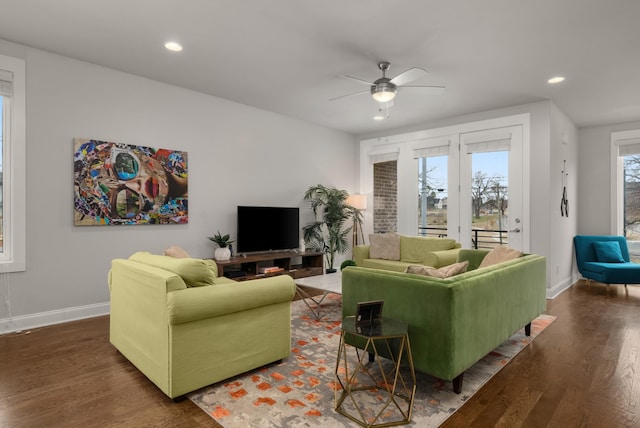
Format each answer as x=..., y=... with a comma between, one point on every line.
x=298, y=265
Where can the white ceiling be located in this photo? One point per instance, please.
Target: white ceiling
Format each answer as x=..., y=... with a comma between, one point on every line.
x=287, y=56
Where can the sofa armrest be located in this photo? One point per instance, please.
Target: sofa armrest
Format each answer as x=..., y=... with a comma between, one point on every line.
x=198, y=303
x=474, y=257
x=441, y=258
x=360, y=252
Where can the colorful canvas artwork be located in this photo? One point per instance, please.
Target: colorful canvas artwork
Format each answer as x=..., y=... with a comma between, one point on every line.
x=118, y=184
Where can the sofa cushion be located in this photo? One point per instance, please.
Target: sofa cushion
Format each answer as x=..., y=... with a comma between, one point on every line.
x=443, y=272
x=413, y=249
x=385, y=246
x=498, y=255
x=608, y=252
x=176, y=251
x=391, y=265
x=194, y=272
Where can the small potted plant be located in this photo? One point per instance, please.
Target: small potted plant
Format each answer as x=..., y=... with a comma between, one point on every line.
x=347, y=263
x=223, y=252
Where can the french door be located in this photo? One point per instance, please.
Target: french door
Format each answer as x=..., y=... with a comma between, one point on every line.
x=468, y=182
x=491, y=188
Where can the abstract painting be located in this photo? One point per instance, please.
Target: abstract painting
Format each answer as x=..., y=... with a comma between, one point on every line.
x=118, y=184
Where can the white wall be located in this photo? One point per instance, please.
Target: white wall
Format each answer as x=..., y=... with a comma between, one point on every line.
x=595, y=177
x=237, y=155
x=563, y=147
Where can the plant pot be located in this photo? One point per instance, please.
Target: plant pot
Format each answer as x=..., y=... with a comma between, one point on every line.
x=222, y=254
x=330, y=270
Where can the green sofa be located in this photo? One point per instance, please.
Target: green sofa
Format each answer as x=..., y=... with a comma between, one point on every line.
x=454, y=322
x=436, y=252
x=186, y=337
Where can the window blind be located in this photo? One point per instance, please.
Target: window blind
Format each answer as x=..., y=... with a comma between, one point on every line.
x=628, y=147
x=437, y=148
x=383, y=157
x=6, y=83
x=487, y=142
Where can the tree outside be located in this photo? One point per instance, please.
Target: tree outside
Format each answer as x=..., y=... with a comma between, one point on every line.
x=632, y=205
x=490, y=203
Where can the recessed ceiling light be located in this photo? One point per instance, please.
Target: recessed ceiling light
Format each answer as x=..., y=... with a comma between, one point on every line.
x=378, y=117
x=173, y=46
x=555, y=79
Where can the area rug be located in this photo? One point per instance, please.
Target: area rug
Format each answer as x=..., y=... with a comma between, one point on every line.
x=299, y=391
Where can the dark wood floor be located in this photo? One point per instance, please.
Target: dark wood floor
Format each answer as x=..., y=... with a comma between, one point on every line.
x=583, y=371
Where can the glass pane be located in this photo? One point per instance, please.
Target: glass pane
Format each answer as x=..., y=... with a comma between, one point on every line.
x=632, y=205
x=489, y=199
x=432, y=196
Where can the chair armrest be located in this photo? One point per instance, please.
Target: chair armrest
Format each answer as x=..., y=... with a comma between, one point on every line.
x=199, y=303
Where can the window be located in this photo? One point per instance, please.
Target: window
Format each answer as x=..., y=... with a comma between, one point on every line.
x=489, y=198
x=432, y=195
x=626, y=194
x=12, y=164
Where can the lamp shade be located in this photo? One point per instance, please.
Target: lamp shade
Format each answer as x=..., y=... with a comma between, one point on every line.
x=357, y=201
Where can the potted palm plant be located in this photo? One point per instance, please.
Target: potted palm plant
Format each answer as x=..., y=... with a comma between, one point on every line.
x=330, y=230
x=221, y=253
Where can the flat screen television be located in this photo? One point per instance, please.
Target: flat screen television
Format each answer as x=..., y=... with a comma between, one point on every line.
x=267, y=228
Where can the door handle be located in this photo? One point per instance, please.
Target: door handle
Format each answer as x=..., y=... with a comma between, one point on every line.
x=516, y=230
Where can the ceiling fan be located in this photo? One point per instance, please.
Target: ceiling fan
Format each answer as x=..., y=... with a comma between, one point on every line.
x=384, y=89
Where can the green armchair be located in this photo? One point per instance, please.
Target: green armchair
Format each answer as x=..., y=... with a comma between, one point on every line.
x=186, y=337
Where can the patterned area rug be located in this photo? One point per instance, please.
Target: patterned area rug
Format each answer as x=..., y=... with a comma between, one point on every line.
x=299, y=392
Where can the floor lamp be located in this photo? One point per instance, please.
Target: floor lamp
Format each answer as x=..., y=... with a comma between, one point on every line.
x=358, y=202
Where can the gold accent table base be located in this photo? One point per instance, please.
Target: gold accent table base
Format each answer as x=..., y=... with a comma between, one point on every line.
x=375, y=393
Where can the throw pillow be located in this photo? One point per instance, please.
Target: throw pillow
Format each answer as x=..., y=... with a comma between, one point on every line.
x=175, y=251
x=498, y=255
x=384, y=246
x=608, y=252
x=443, y=272
x=194, y=272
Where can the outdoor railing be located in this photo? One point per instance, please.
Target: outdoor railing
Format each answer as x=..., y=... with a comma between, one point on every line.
x=480, y=238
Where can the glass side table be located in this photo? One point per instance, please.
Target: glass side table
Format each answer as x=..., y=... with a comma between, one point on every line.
x=373, y=387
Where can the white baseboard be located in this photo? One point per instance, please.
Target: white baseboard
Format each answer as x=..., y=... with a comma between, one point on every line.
x=25, y=322
x=557, y=289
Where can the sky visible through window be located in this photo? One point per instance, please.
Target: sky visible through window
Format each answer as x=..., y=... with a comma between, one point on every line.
x=493, y=164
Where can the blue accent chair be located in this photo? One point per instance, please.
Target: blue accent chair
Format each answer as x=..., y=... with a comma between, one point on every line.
x=598, y=259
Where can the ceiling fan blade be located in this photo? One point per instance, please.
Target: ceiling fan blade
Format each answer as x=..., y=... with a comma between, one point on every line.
x=350, y=95
x=427, y=90
x=361, y=81
x=408, y=76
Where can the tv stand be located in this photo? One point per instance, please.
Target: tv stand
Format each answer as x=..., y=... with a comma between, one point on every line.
x=295, y=264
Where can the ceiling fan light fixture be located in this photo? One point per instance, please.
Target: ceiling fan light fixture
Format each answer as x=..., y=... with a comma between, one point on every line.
x=383, y=92
x=173, y=46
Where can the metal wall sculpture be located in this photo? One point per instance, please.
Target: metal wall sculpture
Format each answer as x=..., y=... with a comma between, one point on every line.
x=123, y=184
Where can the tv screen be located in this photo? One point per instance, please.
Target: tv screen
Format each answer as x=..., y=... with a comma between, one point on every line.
x=267, y=228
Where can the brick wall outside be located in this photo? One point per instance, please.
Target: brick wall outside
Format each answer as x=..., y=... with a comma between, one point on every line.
x=385, y=197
